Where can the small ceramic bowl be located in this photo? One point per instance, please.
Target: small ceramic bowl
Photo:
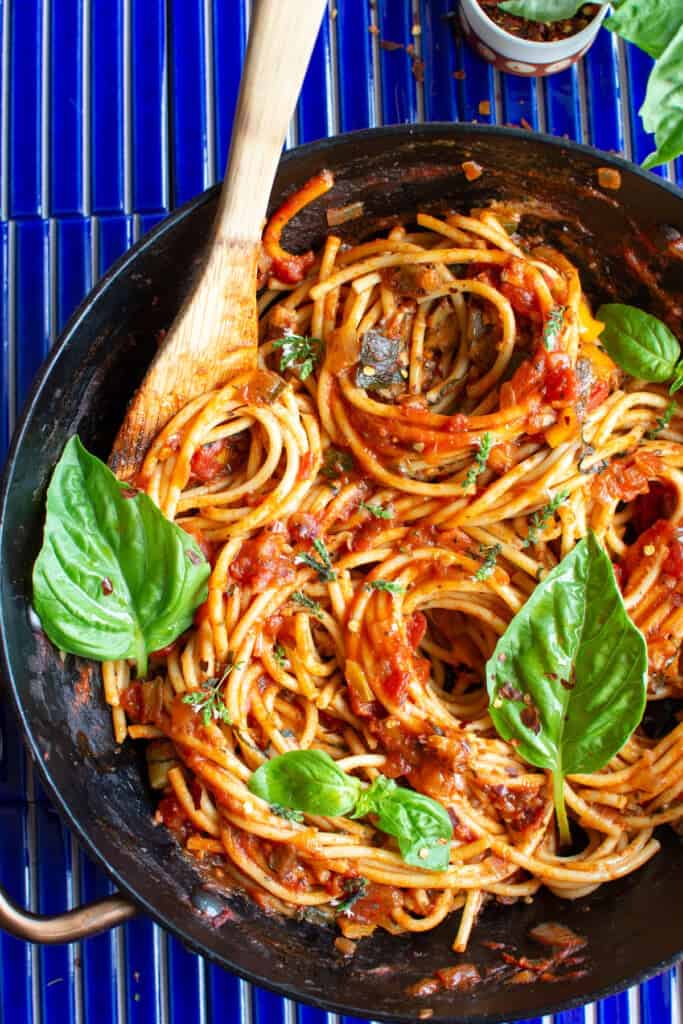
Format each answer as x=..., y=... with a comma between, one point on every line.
x=522, y=56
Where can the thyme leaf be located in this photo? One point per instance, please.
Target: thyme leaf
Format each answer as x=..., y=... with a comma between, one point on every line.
x=480, y=460
x=540, y=520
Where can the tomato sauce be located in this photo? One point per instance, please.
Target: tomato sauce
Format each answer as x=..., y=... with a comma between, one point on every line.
x=625, y=479
x=547, y=374
x=263, y=561
x=132, y=702
x=172, y=815
x=210, y=460
x=657, y=503
x=518, y=286
x=650, y=542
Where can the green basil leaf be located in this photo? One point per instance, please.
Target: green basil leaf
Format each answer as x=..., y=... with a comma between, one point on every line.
x=638, y=342
x=662, y=111
x=420, y=824
x=114, y=578
x=567, y=680
x=306, y=780
x=677, y=381
x=542, y=10
x=649, y=24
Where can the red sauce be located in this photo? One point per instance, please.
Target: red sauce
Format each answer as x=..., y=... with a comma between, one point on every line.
x=521, y=809
x=263, y=561
x=210, y=460
x=400, y=667
x=364, y=538
x=205, y=546
x=659, y=534
x=546, y=373
x=302, y=526
x=132, y=702
x=518, y=285
x=172, y=815
x=305, y=466
x=376, y=905
x=624, y=479
x=658, y=503
x=293, y=269
x=416, y=627
x=599, y=392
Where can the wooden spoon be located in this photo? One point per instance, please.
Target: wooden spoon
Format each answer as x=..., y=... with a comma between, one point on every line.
x=215, y=332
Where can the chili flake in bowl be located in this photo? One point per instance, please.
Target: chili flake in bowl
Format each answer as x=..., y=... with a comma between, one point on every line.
x=524, y=47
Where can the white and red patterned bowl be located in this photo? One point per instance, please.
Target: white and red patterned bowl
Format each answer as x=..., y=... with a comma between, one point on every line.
x=522, y=56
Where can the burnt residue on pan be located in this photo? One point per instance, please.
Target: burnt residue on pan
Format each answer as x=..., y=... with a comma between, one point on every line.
x=633, y=925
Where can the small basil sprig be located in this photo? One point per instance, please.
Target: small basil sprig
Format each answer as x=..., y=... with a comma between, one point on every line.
x=114, y=578
x=310, y=781
x=567, y=680
x=641, y=344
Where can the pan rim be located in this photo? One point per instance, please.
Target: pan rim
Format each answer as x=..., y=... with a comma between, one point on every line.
x=404, y=133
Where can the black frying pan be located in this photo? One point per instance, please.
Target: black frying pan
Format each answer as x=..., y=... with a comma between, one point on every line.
x=634, y=926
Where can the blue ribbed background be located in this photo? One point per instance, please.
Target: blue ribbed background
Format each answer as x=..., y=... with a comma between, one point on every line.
x=111, y=113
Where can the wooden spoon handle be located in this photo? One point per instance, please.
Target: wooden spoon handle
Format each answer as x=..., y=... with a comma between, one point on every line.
x=215, y=333
x=281, y=39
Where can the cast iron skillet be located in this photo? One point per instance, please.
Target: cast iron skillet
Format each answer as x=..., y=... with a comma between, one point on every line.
x=633, y=926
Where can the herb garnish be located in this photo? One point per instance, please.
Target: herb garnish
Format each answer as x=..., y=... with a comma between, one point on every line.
x=378, y=511
x=663, y=422
x=290, y=813
x=580, y=665
x=490, y=554
x=388, y=585
x=336, y=463
x=209, y=699
x=310, y=781
x=299, y=353
x=98, y=529
x=326, y=573
x=355, y=889
x=480, y=460
x=307, y=602
x=540, y=520
x=553, y=327
x=280, y=655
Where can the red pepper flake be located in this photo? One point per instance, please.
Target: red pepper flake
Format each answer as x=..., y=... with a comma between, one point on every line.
x=129, y=492
x=390, y=45
x=107, y=586
x=194, y=556
x=460, y=76
x=485, y=108
x=525, y=124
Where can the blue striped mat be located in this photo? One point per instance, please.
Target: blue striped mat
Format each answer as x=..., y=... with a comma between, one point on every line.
x=112, y=112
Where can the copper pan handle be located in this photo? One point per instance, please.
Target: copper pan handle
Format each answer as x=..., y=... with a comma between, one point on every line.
x=68, y=927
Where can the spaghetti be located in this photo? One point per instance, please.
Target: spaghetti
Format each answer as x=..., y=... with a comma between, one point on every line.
x=377, y=505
